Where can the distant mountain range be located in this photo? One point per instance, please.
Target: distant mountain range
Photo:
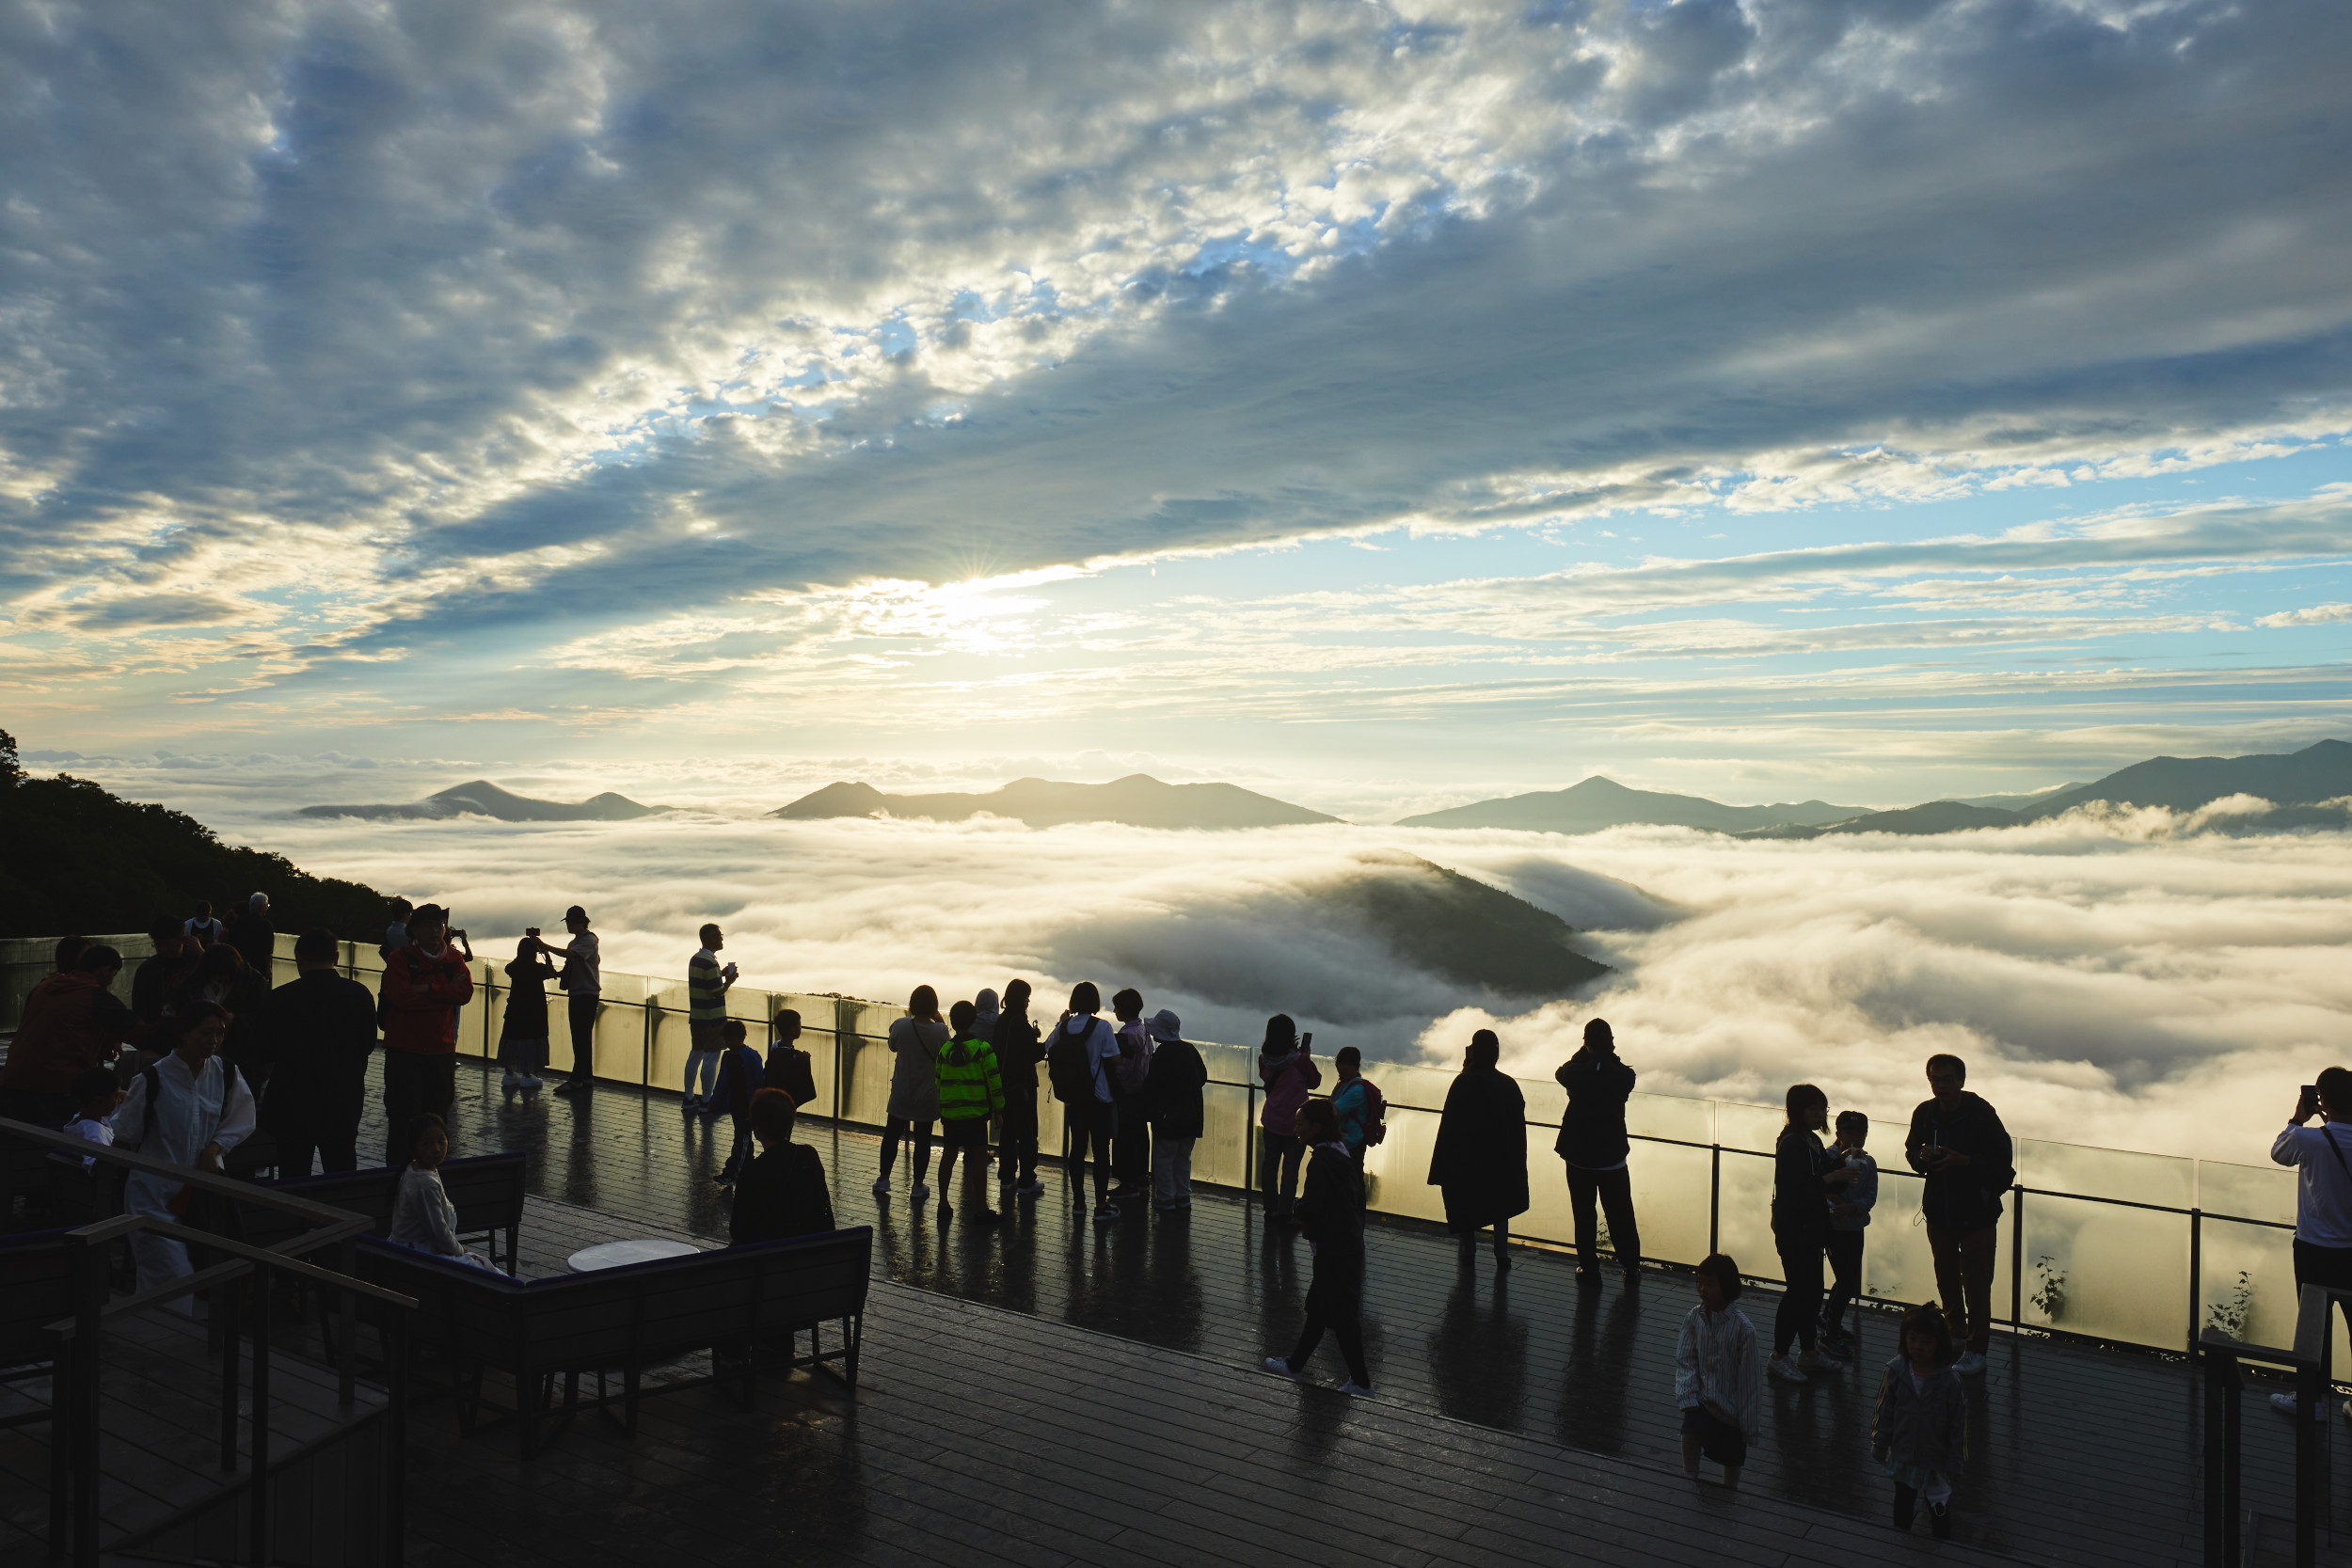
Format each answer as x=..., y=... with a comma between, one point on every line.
x=485, y=798
x=1597, y=803
x=1137, y=800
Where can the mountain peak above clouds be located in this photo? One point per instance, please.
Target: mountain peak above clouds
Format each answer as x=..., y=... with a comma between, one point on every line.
x=481, y=798
x=1137, y=800
x=1597, y=803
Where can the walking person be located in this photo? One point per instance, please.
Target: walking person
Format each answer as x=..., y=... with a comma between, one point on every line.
x=191, y=1108
x=581, y=980
x=523, y=1032
x=1364, y=1111
x=1804, y=1183
x=1019, y=1049
x=1719, y=1382
x=1130, y=1141
x=742, y=1075
x=916, y=1041
x=1481, y=1154
x=1594, y=1146
x=1173, y=1099
x=1331, y=1217
x=1921, y=1429
x=1078, y=1061
x=423, y=986
x=1848, y=1220
x=706, y=986
x=1958, y=1142
x=1286, y=1066
x=970, y=1092
x=319, y=1029
x=2322, y=1161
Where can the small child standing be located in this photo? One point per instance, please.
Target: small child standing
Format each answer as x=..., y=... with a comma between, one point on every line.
x=1921, y=1430
x=742, y=1075
x=1848, y=1217
x=788, y=1067
x=971, y=1090
x=422, y=1216
x=96, y=1092
x=1719, y=1374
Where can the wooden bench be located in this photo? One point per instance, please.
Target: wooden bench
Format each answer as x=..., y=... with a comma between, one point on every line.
x=728, y=1301
x=487, y=1190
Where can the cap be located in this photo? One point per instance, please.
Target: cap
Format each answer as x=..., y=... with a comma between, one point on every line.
x=424, y=915
x=1164, y=1024
x=575, y=912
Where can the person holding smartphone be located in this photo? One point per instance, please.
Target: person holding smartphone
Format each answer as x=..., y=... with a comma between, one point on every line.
x=2322, y=1158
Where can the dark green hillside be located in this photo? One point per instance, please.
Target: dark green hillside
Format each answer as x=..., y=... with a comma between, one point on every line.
x=81, y=859
x=1460, y=928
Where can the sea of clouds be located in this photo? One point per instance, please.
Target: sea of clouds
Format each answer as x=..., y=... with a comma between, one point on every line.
x=2132, y=980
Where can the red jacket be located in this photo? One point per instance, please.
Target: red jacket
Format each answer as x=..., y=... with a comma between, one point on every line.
x=69, y=1022
x=420, y=997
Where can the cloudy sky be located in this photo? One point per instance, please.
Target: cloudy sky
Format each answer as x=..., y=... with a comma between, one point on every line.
x=1386, y=405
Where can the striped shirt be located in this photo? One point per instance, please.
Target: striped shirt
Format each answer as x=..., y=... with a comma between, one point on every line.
x=706, y=992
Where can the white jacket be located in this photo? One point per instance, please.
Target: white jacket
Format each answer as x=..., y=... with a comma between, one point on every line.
x=178, y=1129
x=1716, y=1359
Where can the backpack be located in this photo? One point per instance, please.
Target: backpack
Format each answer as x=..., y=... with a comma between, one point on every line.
x=1068, y=1068
x=1374, y=1112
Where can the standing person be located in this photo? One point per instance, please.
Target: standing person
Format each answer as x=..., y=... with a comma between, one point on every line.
x=742, y=1075
x=1016, y=1043
x=1131, y=1144
x=1173, y=1098
x=190, y=1108
x=581, y=980
x=1594, y=1146
x=706, y=986
x=221, y=977
x=1849, y=1218
x=523, y=1033
x=1078, y=1063
x=153, y=981
x=1804, y=1180
x=396, y=932
x=1287, y=1068
x=1332, y=1216
x=1921, y=1429
x=2322, y=1161
x=72, y=1021
x=783, y=1192
x=425, y=984
x=1362, y=1110
x=201, y=927
x=319, y=1029
x=1481, y=1155
x=970, y=1092
x=788, y=1068
x=256, y=939
x=1958, y=1142
x=1718, y=1382
x=916, y=1041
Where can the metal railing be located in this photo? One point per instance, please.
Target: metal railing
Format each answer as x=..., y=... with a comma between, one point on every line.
x=2310, y=1360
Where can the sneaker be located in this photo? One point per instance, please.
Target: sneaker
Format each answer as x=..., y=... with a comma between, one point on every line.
x=1821, y=1361
x=1105, y=1211
x=530, y=1083
x=723, y=1180
x=1359, y=1391
x=1781, y=1366
x=571, y=1086
x=2286, y=1404
x=1030, y=1188
x=881, y=1187
x=693, y=1103
x=1970, y=1365
x=922, y=1190
x=1588, y=1276
x=1280, y=1367
x=1124, y=1189
x=513, y=1081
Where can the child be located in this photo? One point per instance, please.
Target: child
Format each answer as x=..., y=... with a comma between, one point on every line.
x=97, y=1091
x=1849, y=1216
x=788, y=1068
x=971, y=1090
x=422, y=1216
x=1921, y=1431
x=741, y=1076
x=523, y=1034
x=783, y=1192
x=1363, y=1110
x=1332, y=1214
x=1719, y=1376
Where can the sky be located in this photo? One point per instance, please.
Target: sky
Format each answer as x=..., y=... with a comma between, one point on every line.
x=1384, y=406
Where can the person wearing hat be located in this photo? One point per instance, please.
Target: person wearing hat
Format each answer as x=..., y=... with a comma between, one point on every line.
x=583, y=980
x=425, y=984
x=1172, y=1099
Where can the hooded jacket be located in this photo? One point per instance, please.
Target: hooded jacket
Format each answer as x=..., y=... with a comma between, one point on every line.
x=70, y=1022
x=421, y=995
x=1480, y=1158
x=1171, y=1090
x=1288, y=1078
x=1971, y=1198
x=1592, y=1132
x=970, y=1088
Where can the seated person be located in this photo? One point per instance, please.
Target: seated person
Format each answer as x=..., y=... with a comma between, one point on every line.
x=783, y=1192
x=96, y=1093
x=422, y=1216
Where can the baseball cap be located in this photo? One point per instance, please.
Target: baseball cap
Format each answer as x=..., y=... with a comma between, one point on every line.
x=575, y=912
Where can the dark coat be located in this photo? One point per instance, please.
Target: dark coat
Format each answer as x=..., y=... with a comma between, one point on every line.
x=789, y=1068
x=1331, y=1211
x=152, y=983
x=1592, y=1133
x=1171, y=1090
x=1972, y=1197
x=1481, y=1156
x=1800, y=1196
x=527, y=999
x=317, y=1030
x=255, y=940
x=1019, y=1049
x=781, y=1194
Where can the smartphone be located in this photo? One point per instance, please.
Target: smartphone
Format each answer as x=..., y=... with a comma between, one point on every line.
x=1306, y=1040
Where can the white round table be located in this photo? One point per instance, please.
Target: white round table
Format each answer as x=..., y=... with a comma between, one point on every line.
x=611, y=1255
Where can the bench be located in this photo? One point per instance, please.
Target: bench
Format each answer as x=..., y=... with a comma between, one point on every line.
x=728, y=1301
x=487, y=1190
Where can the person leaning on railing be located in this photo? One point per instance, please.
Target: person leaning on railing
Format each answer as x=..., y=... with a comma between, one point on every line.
x=1958, y=1143
x=2322, y=1158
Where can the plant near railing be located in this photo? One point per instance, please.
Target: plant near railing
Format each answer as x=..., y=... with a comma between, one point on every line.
x=2049, y=1290
x=2228, y=1314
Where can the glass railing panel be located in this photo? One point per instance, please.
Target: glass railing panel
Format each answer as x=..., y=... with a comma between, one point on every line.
x=1750, y=1126
x=1670, y=1192
x=2107, y=1270
x=1412, y=1086
x=867, y=1063
x=2248, y=1290
x=2080, y=1169
x=1897, y=1263
x=620, y=1039
x=1397, y=1172
x=1227, y=1064
x=673, y=1041
x=1216, y=1155
x=1744, y=1221
x=2246, y=1192
x=1550, y=1216
x=490, y=1003
x=1667, y=1115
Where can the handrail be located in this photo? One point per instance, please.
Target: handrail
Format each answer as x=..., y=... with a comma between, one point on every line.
x=275, y=1258
x=202, y=1180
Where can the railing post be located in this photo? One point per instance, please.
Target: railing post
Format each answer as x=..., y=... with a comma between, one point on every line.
x=89, y=1295
x=2196, y=1273
x=2221, y=1457
x=264, y=1283
x=229, y=1322
x=2017, y=1259
x=1249, y=1145
x=395, y=1523
x=645, y=1066
x=347, y=1362
x=1714, y=1199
